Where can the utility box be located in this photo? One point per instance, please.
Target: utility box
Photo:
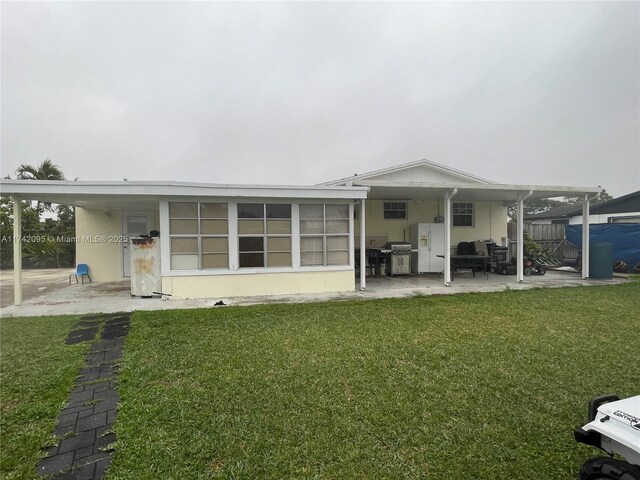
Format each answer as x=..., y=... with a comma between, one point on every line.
x=146, y=276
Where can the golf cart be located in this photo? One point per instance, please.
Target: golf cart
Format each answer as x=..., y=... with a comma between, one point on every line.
x=614, y=427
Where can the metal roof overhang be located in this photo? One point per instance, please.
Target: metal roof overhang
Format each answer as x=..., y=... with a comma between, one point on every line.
x=144, y=195
x=474, y=192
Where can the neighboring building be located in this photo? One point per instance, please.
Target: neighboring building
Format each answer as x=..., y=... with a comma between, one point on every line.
x=625, y=209
x=234, y=240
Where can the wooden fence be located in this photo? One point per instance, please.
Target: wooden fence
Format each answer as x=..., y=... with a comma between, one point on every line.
x=549, y=236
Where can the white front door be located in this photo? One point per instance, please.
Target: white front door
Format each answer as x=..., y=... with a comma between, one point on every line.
x=133, y=224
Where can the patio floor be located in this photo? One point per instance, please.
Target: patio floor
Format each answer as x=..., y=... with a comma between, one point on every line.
x=47, y=292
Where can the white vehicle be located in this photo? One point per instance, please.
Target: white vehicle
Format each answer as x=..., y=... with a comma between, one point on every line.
x=614, y=427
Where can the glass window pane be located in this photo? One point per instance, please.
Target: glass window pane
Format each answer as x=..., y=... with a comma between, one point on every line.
x=251, y=260
x=215, y=245
x=213, y=210
x=213, y=227
x=251, y=244
x=395, y=210
x=250, y=210
x=278, y=259
x=278, y=211
x=183, y=210
x=276, y=244
x=311, y=211
x=279, y=226
x=137, y=225
x=310, y=258
x=182, y=227
x=215, y=260
x=308, y=244
x=337, y=258
x=337, y=226
x=184, y=262
x=463, y=220
x=337, y=243
x=250, y=226
x=184, y=245
x=312, y=226
x=337, y=211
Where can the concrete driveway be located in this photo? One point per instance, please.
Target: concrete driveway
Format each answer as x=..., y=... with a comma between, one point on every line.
x=34, y=283
x=47, y=292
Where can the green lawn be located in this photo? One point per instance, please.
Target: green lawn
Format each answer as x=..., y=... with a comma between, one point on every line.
x=37, y=371
x=478, y=386
x=483, y=386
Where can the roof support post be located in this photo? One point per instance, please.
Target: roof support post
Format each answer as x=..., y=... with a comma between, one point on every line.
x=585, y=237
x=447, y=236
x=363, y=248
x=520, y=259
x=17, y=251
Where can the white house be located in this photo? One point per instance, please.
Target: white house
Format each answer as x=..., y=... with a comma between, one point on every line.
x=235, y=240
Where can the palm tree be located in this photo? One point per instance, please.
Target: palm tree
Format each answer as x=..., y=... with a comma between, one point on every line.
x=45, y=171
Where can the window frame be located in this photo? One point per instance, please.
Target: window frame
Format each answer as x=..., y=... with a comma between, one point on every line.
x=198, y=236
x=472, y=214
x=325, y=235
x=234, y=269
x=265, y=235
x=386, y=210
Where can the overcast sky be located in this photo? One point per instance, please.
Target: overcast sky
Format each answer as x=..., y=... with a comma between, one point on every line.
x=300, y=93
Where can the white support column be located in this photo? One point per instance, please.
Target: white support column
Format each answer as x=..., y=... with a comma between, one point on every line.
x=17, y=252
x=363, y=248
x=447, y=235
x=585, y=237
x=520, y=219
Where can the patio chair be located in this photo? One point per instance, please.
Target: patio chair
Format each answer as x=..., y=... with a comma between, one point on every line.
x=83, y=270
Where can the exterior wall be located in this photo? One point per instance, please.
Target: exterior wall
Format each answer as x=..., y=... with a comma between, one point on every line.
x=602, y=218
x=422, y=174
x=490, y=221
x=541, y=222
x=104, y=258
x=233, y=285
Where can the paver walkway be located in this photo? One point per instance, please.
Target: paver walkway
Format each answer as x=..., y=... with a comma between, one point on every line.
x=84, y=425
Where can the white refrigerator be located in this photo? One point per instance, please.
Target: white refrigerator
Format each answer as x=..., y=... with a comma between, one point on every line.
x=427, y=242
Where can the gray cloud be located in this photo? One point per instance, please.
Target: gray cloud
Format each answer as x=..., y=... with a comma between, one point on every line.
x=536, y=92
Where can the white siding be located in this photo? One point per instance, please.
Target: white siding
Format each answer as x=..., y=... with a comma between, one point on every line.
x=423, y=174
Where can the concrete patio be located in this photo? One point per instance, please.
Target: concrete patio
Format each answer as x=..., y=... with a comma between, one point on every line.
x=47, y=292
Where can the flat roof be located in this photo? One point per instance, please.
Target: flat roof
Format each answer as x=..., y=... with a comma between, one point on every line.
x=498, y=192
x=117, y=193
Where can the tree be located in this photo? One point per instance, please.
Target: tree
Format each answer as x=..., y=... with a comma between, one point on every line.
x=603, y=196
x=44, y=248
x=61, y=228
x=541, y=205
x=537, y=205
x=30, y=227
x=45, y=171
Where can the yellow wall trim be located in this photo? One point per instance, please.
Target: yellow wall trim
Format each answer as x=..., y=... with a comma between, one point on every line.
x=258, y=284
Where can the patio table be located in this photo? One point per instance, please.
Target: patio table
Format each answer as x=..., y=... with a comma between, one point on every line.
x=470, y=261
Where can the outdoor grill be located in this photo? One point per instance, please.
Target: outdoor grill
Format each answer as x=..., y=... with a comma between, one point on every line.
x=400, y=258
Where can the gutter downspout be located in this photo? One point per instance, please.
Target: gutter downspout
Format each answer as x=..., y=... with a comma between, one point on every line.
x=17, y=251
x=447, y=236
x=520, y=259
x=363, y=248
